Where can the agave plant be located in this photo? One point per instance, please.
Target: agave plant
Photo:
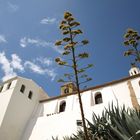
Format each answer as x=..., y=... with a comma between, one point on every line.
x=115, y=123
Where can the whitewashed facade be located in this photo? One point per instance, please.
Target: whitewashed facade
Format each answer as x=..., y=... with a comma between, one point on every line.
x=28, y=113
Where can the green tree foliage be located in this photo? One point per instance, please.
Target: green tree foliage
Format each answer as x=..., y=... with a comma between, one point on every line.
x=131, y=40
x=72, y=57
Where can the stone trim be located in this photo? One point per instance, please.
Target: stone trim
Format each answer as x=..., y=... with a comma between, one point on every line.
x=133, y=97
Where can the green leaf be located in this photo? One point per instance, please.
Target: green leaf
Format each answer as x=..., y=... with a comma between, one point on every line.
x=126, y=35
x=61, y=26
x=84, y=76
x=62, y=63
x=68, y=46
x=126, y=43
x=60, y=80
x=132, y=41
x=66, y=53
x=90, y=65
x=84, y=42
x=58, y=43
x=77, y=31
x=70, y=18
x=66, y=39
x=138, y=38
x=67, y=14
x=89, y=79
x=130, y=31
x=66, y=32
x=65, y=27
x=74, y=24
x=81, y=70
x=57, y=59
x=83, y=55
x=63, y=22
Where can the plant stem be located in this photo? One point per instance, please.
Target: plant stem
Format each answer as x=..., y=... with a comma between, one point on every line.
x=78, y=87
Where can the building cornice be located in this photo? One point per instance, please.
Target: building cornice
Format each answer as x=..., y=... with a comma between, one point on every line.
x=93, y=88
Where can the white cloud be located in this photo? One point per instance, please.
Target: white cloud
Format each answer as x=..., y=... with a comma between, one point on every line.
x=16, y=62
x=6, y=67
x=2, y=39
x=44, y=61
x=10, y=67
x=51, y=73
x=12, y=7
x=48, y=20
x=33, y=67
x=24, y=42
x=39, y=70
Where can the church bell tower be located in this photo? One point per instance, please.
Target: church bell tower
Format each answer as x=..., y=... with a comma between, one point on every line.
x=134, y=70
x=68, y=88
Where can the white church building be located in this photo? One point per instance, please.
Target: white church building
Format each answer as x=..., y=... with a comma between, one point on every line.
x=28, y=113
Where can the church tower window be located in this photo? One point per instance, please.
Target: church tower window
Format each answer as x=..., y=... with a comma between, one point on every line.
x=8, y=86
x=1, y=88
x=98, y=98
x=66, y=90
x=62, y=106
x=22, y=89
x=30, y=95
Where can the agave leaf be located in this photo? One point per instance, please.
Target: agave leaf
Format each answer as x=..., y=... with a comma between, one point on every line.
x=120, y=135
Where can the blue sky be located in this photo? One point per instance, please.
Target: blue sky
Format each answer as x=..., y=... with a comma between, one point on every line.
x=29, y=28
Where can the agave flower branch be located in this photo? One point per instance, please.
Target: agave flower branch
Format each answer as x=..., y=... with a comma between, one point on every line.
x=69, y=27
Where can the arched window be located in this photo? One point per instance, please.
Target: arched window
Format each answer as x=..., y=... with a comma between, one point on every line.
x=66, y=90
x=98, y=98
x=62, y=106
x=135, y=72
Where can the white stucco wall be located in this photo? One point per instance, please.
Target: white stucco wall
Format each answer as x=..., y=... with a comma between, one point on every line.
x=49, y=122
x=19, y=109
x=5, y=96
